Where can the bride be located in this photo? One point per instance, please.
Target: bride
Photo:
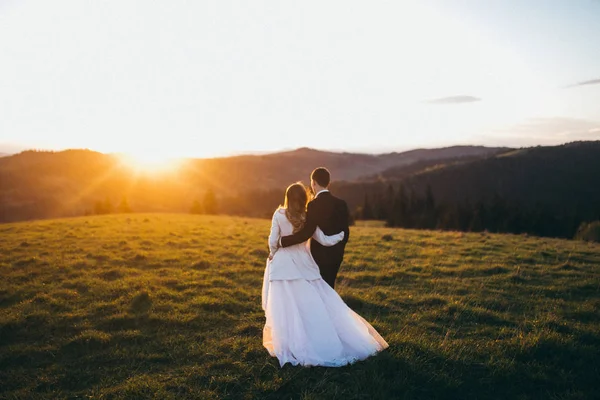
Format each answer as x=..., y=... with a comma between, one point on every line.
x=307, y=322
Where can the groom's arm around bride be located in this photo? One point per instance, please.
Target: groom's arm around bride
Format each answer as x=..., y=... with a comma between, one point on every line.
x=315, y=217
x=331, y=215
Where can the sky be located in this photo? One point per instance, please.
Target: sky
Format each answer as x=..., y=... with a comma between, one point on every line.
x=215, y=78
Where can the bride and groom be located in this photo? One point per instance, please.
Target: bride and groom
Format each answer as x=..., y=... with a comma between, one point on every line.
x=307, y=322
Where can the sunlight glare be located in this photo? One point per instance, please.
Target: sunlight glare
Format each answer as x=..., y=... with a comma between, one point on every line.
x=151, y=162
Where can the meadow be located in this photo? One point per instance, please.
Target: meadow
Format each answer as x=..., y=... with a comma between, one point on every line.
x=167, y=306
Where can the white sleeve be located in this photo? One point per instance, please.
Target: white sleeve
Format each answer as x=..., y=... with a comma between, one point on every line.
x=325, y=240
x=274, y=235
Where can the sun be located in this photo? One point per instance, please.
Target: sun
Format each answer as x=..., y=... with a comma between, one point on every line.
x=151, y=162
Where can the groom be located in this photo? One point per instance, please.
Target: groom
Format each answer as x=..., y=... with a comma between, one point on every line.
x=331, y=215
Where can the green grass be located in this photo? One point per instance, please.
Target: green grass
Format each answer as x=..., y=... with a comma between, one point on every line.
x=168, y=306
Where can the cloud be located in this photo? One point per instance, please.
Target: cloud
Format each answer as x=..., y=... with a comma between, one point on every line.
x=586, y=83
x=454, y=100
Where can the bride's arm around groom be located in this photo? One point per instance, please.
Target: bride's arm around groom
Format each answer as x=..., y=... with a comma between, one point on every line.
x=274, y=235
x=318, y=235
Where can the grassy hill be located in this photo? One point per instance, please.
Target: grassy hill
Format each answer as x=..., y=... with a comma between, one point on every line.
x=168, y=306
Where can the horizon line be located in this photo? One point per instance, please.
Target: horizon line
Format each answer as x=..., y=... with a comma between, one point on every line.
x=6, y=153
x=373, y=152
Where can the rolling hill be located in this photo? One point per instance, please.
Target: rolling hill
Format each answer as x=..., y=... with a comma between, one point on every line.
x=53, y=184
x=164, y=306
x=279, y=169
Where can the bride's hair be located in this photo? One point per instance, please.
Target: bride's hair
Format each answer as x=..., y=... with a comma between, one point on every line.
x=295, y=202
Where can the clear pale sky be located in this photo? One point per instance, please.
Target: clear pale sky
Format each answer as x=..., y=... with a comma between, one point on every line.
x=212, y=78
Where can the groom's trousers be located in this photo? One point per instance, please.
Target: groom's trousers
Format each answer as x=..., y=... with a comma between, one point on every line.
x=329, y=273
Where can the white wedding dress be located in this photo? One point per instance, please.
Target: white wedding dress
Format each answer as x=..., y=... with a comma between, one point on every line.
x=307, y=322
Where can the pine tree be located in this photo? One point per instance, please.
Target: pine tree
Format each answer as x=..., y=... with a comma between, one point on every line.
x=413, y=210
x=99, y=208
x=479, y=218
x=380, y=211
x=196, y=207
x=108, y=207
x=497, y=215
x=399, y=215
x=367, y=211
x=466, y=213
x=429, y=201
x=388, y=205
x=210, y=202
x=429, y=213
x=124, y=206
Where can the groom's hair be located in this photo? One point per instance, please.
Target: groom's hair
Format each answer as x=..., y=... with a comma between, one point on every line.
x=321, y=176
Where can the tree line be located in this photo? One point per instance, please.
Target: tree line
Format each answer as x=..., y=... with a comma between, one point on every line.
x=208, y=205
x=406, y=208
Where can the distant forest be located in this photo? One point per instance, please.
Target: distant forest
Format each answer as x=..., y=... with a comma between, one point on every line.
x=402, y=206
x=545, y=191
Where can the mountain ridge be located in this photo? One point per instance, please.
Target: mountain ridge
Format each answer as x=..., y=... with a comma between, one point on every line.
x=39, y=184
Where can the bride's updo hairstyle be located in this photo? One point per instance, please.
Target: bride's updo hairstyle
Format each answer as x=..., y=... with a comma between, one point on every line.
x=295, y=205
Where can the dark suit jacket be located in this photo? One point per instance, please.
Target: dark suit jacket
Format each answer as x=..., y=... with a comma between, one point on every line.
x=331, y=215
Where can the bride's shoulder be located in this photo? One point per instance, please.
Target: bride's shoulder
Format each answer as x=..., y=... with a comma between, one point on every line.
x=279, y=211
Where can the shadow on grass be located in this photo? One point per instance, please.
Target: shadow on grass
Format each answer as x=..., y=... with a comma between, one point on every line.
x=410, y=371
x=238, y=367
x=578, y=292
